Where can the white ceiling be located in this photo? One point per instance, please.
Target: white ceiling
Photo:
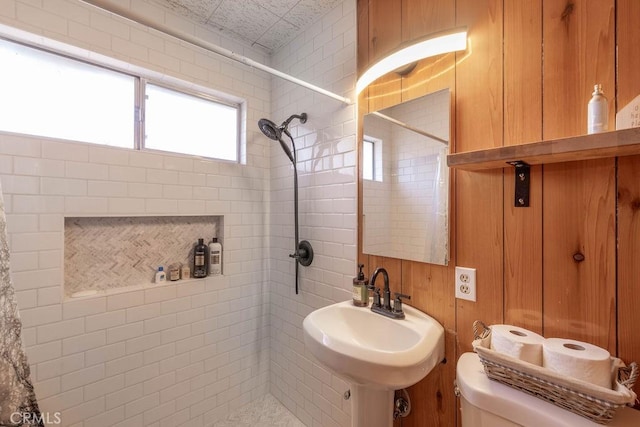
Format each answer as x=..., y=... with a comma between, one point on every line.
x=267, y=23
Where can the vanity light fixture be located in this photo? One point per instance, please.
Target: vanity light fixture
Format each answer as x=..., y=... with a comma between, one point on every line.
x=434, y=44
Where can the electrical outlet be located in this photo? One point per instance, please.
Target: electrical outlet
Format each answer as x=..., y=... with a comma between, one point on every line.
x=466, y=283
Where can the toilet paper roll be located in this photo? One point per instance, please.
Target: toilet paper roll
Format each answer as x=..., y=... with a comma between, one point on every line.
x=577, y=359
x=517, y=342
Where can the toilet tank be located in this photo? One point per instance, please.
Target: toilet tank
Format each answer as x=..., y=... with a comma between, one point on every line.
x=473, y=416
x=488, y=403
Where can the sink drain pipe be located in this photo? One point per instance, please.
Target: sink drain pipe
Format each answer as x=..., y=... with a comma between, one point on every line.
x=402, y=404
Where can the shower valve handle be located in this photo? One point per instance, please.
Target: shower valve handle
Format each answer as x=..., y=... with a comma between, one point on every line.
x=303, y=253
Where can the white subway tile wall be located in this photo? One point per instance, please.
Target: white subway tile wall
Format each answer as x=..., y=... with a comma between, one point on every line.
x=376, y=193
x=415, y=177
x=189, y=354
x=180, y=354
x=324, y=55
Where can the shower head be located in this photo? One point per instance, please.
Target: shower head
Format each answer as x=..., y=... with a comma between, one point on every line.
x=270, y=129
x=274, y=132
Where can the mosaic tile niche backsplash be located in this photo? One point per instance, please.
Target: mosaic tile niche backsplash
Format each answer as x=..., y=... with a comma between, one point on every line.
x=103, y=253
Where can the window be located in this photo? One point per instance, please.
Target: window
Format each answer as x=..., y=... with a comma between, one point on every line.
x=368, y=165
x=51, y=95
x=372, y=158
x=196, y=125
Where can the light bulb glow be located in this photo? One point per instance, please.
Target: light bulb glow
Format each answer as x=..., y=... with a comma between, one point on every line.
x=434, y=45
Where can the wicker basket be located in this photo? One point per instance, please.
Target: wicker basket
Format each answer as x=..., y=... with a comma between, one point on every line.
x=596, y=403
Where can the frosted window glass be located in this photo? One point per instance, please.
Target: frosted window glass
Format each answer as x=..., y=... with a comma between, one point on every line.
x=367, y=160
x=50, y=95
x=188, y=124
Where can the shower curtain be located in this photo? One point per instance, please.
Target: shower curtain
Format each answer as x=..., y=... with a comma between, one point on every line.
x=437, y=245
x=18, y=405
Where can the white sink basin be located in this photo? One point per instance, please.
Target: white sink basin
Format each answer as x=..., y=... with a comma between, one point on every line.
x=371, y=350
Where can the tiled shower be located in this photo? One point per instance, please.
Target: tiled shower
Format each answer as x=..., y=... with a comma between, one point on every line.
x=188, y=353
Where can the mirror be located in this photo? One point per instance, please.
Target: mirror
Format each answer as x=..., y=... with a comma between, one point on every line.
x=406, y=180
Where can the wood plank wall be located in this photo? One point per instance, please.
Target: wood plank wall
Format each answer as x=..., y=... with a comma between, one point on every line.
x=527, y=75
x=628, y=271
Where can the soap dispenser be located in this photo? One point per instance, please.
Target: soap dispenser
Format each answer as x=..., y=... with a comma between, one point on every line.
x=360, y=289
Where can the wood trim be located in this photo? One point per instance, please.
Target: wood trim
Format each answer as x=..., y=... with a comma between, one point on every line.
x=585, y=147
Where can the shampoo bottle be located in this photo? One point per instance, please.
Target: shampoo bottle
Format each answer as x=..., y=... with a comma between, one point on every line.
x=200, y=259
x=215, y=257
x=597, y=111
x=360, y=289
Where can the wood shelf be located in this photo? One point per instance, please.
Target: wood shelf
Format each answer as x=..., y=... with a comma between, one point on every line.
x=624, y=142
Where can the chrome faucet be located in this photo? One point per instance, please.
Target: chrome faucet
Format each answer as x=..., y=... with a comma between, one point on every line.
x=384, y=307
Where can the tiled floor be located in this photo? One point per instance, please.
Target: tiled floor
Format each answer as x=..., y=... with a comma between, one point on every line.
x=264, y=412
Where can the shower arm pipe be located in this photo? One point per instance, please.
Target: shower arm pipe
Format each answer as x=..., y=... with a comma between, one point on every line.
x=139, y=19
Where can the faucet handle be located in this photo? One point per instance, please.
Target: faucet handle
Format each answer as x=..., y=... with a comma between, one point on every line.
x=397, y=303
x=376, y=298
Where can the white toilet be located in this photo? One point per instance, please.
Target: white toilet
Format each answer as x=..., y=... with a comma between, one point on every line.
x=488, y=403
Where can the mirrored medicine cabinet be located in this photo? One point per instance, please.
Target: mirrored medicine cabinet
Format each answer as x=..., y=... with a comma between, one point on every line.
x=405, y=180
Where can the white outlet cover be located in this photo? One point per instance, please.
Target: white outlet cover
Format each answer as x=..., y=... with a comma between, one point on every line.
x=470, y=293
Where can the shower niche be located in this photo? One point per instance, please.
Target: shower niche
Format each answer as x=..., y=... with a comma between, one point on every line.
x=105, y=255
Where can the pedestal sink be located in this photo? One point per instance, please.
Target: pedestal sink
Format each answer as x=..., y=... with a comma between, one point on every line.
x=376, y=354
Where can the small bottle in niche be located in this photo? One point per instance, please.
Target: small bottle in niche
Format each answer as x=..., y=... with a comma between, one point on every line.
x=185, y=272
x=215, y=257
x=360, y=289
x=200, y=259
x=174, y=271
x=161, y=276
x=597, y=111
